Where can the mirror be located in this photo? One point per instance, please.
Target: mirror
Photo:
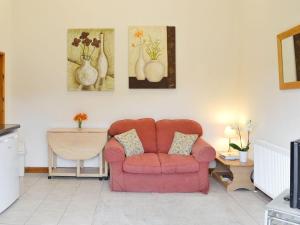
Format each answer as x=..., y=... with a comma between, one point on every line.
x=289, y=58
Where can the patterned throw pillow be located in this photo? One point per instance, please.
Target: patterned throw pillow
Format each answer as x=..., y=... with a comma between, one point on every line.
x=131, y=142
x=182, y=143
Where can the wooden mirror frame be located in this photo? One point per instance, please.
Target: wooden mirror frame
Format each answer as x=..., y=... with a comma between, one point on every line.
x=280, y=37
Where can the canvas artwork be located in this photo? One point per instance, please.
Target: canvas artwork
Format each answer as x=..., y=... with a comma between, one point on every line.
x=90, y=59
x=152, y=59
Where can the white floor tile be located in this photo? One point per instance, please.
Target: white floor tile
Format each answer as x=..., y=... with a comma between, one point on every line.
x=45, y=217
x=77, y=217
x=72, y=201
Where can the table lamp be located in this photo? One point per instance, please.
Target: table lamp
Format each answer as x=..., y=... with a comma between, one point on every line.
x=229, y=133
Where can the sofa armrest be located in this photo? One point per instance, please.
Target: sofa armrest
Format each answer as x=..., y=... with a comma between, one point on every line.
x=114, y=151
x=203, y=151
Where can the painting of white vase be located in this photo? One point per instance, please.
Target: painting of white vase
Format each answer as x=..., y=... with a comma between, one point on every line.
x=151, y=57
x=140, y=64
x=102, y=63
x=86, y=75
x=90, y=59
x=154, y=70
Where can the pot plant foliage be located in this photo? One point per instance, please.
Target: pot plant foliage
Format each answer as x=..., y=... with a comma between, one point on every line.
x=238, y=129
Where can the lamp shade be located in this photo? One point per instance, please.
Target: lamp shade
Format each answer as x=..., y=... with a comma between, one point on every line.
x=229, y=132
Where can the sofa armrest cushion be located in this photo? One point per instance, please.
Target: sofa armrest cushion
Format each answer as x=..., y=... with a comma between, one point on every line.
x=114, y=151
x=202, y=151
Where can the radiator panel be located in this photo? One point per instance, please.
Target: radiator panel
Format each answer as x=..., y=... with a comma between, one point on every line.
x=271, y=168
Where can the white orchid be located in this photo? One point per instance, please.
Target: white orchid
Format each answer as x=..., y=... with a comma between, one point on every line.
x=248, y=128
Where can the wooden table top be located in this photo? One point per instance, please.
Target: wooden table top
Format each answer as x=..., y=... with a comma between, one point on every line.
x=237, y=162
x=77, y=130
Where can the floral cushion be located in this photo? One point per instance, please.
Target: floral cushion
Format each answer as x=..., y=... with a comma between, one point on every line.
x=131, y=142
x=182, y=143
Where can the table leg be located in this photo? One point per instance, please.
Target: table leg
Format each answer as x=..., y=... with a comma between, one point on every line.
x=101, y=164
x=50, y=160
x=78, y=167
x=54, y=158
x=105, y=168
x=241, y=178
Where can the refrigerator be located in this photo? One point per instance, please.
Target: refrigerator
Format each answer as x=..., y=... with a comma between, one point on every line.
x=9, y=170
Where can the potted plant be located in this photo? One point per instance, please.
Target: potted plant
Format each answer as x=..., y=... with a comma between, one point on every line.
x=243, y=149
x=79, y=118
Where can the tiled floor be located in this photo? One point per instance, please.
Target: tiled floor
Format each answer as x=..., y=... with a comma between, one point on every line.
x=71, y=201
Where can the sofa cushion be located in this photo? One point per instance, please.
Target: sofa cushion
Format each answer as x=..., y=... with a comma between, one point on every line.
x=182, y=143
x=178, y=163
x=145, y=129
x=146, y=163
x=165, y=130
x=130, y=142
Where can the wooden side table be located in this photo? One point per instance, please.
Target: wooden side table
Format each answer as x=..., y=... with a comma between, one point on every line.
x=77, y=144
x=237, y=172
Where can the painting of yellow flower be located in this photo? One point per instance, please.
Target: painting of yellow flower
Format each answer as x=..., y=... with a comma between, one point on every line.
x=151, y=59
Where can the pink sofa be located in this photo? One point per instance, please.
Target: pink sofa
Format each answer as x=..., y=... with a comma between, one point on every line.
x=155, y=170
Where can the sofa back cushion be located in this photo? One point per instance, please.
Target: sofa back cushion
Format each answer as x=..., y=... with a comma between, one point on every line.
x=145, y=129
x=165, y=130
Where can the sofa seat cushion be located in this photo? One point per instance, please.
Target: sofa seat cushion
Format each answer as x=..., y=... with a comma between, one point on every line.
x=147, y=163
x=178, y=163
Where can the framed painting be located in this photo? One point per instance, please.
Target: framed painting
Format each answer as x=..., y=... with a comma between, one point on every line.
x=152, y=57
x=90, y=55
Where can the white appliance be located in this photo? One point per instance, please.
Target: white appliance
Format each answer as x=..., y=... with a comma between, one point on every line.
x=9, y=170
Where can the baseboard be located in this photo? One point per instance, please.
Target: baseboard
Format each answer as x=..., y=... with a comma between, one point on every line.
x=46, y=170
x=36, y=169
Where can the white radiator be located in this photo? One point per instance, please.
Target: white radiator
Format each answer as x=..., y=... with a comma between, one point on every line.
x=271, y=168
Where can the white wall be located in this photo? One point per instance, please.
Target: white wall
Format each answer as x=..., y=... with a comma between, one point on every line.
x=206, y=66
x=5, y=26
x=226, y=59
x=5, y=40
x=276, y=113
